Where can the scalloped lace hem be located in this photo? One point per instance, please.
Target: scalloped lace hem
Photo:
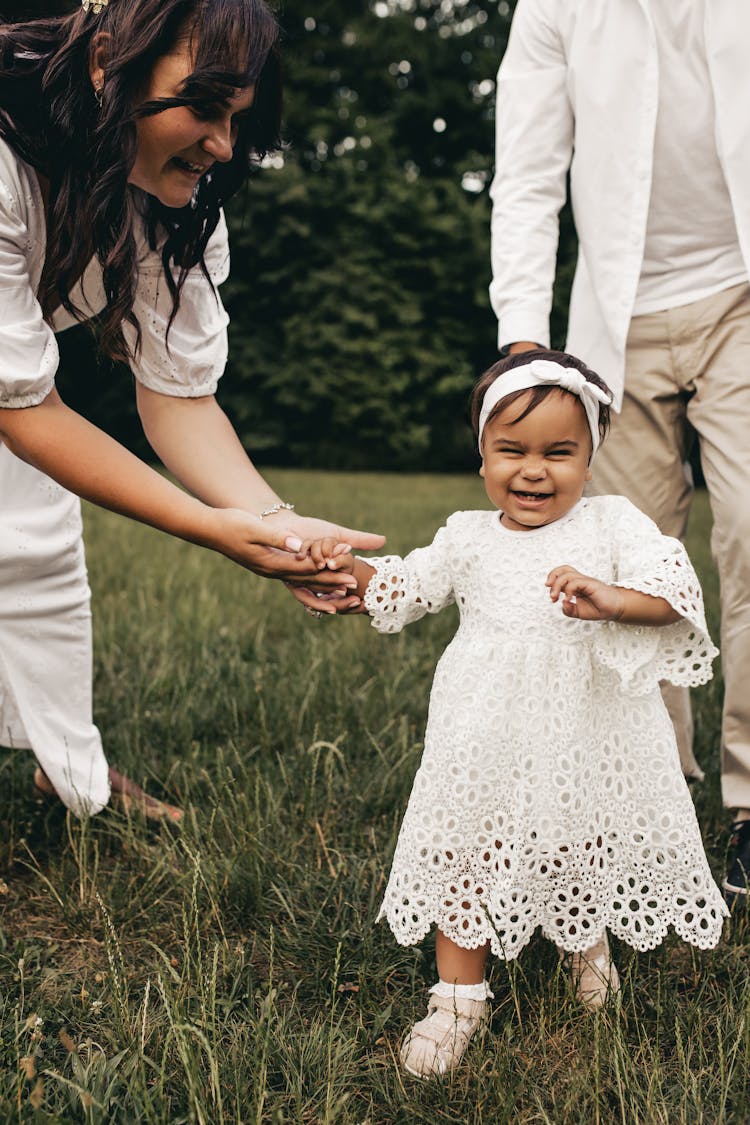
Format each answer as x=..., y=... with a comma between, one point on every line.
x=706, y=938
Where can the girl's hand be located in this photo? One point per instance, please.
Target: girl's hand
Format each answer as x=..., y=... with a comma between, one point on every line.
x=328, y=554
x=586, y=599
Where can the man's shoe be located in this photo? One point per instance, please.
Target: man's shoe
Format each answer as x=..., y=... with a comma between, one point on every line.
x=737, y=883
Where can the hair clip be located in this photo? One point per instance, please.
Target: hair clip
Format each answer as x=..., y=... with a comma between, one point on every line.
x=95, y=6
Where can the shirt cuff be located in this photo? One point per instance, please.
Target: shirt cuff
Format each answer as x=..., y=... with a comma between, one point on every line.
x=524, y=324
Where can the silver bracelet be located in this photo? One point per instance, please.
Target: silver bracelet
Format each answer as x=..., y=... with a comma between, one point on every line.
x=273, y=508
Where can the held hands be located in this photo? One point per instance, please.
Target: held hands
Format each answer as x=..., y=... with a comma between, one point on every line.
x=279, y=547
x=586, y=599
x=328, y=554
x=331, y=555
x=328, y=547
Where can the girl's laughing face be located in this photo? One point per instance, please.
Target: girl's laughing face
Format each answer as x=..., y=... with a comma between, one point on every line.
x=535, y=469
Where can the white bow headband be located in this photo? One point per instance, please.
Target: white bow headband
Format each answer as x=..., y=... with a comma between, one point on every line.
x=544, y=373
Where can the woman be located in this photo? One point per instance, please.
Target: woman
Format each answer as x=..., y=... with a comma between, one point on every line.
x=123, y=130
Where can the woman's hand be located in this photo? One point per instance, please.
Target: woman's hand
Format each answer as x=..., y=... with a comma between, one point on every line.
x=267, y=549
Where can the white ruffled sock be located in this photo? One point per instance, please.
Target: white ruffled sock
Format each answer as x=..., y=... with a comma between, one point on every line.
x=450, y=991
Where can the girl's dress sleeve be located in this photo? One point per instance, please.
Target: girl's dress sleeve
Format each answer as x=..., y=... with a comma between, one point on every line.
x=404, y=589
x=28, y=349
x=188, y=362
x=652, y=563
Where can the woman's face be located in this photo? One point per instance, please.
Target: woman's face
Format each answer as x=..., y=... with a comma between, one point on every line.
x=179, y=145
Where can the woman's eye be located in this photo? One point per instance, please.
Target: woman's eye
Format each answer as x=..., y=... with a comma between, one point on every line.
x=207, y=112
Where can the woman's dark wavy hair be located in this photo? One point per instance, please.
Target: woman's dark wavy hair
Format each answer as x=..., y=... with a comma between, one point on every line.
x=50, y=118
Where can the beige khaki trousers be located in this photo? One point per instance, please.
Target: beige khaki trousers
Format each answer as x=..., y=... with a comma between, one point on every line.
x=687, y=375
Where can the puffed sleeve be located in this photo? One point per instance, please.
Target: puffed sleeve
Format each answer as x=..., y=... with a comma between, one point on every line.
x=28, y=350
x=652, y=563
x=189, y=362
x=404, y=589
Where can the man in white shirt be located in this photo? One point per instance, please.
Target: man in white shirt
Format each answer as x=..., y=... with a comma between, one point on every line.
x=646, y=103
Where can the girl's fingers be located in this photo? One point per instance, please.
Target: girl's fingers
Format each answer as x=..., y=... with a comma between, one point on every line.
x=324, y=552
x=318, y=553
x=304, y=548
x=558, y=578
x=570, y=606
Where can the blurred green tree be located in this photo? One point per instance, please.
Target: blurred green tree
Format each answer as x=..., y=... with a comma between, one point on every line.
x=358, y=291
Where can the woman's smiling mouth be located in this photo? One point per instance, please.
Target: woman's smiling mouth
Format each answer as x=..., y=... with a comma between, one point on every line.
x=189, y=168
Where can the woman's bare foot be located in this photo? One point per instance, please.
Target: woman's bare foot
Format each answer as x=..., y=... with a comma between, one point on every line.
x=126, y=794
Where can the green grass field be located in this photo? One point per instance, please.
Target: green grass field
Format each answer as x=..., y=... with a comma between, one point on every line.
x=230, y=971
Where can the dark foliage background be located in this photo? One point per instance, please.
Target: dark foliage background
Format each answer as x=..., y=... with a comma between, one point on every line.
x=358, y=292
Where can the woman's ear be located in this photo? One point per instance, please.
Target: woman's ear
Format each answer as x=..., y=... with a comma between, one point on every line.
x=98, y=60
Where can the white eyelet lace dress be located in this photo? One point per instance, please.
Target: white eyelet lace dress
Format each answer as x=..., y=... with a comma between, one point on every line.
x=45, y=619
x=550, y=792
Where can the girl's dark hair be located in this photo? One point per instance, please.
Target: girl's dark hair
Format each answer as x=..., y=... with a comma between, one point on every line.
x=50, y=118
x=536, y=394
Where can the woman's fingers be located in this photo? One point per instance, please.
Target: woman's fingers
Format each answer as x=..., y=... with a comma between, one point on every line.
x=361, y=540
x=329, y=604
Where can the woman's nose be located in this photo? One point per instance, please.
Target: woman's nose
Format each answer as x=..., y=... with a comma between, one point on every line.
x=218, y=143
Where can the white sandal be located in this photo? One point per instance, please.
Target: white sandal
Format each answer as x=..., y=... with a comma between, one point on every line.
x=437, y=1043
x=593, y=972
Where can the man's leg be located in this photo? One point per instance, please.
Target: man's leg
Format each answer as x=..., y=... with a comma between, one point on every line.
x=720, y=413
x=644, y=458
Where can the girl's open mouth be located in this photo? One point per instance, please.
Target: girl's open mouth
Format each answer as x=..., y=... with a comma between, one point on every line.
x=532, y=496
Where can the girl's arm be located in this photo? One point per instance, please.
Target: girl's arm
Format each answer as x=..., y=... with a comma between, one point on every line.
x=82, y=458
x=588, y=599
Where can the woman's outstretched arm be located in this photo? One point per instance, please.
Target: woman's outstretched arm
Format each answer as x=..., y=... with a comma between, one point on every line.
x=197, y=442
x=83, y=459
